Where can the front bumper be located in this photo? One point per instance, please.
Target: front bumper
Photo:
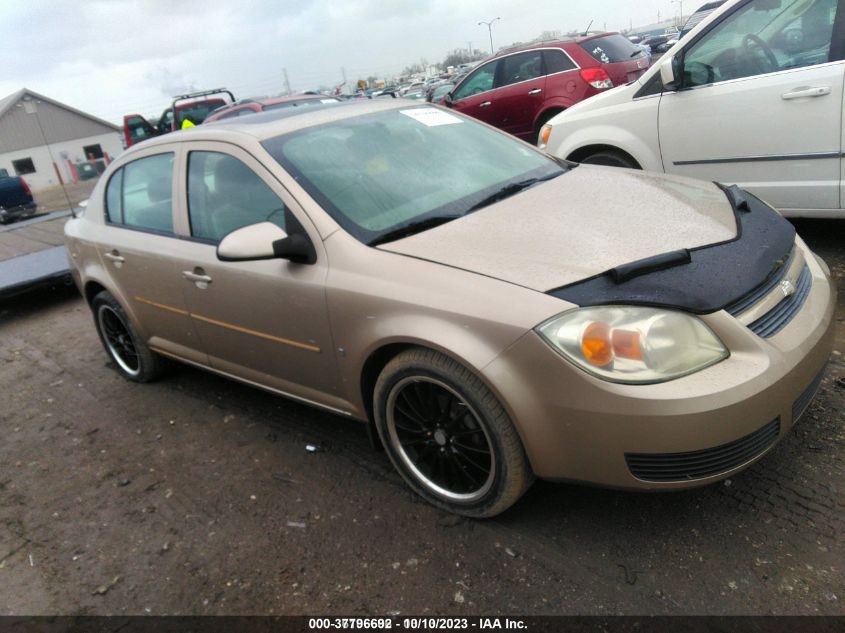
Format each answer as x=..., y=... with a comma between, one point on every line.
x=577, y=427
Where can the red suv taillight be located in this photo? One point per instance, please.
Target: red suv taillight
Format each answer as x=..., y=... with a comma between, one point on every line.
x=597, y=78
x=26, y=188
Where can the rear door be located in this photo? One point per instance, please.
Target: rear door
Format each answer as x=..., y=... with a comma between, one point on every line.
x=761, y=104
x=136, y=247
x=474, y=95
x=519, y=93
x=136, y=129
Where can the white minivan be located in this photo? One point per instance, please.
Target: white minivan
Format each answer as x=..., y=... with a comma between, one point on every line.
x=752, y=96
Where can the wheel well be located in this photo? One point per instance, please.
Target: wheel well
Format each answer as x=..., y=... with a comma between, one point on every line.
x=545, y=115
x=92, y=289
x=372, y=368
x=581, y=153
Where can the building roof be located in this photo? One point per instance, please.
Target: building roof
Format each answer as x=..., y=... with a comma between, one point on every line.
x=9, y=101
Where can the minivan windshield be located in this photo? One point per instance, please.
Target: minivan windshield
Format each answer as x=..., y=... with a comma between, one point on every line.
x=389, y=174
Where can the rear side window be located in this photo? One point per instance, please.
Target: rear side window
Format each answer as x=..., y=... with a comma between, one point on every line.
x=224, y=194
x=557, y=62
x=140, y=194
x=611, y=49
x=521, y=67
x=114, y=211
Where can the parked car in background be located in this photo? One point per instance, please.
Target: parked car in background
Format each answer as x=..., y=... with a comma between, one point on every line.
x=752, y=95
x=16, y=200
x=438, y=93
x=251, y=106
x=412, y=87
x=193, y=107
x=702, y=12
x=520, y=89
x=659, y=44
x=493, y=314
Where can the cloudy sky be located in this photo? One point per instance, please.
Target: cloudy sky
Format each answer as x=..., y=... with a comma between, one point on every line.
x=112, y=57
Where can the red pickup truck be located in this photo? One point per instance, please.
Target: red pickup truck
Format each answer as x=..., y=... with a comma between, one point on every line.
x=194, y=107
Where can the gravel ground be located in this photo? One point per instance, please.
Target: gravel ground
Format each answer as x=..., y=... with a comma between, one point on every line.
x=195, y=495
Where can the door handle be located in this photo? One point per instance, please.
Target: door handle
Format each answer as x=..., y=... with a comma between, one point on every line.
x=485, y=104
x=536, y=91
x=198, y=276
x=115, y=257
x=806, y=91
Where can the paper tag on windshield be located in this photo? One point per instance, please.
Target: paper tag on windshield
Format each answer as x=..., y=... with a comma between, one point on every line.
x=431, y=116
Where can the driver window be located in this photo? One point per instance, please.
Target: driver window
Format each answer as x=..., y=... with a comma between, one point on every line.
x=479, y=81
x=224, y=195
x=762, y=37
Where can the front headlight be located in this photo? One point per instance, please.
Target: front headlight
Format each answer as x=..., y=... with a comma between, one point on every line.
x=634, y=345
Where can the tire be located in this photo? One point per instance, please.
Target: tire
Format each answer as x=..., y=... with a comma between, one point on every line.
x=130, y=354
x=448, y=435
x=611, y=159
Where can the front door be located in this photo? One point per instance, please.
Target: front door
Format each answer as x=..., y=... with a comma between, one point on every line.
x=475, y=97
x=261, y=321
x=519, y=94
x=761, y=104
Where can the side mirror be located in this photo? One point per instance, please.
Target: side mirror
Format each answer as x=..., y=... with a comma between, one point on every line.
x=671, y=72
x=296, y=248
x=448, y=99
x=255, y=241
x=79, y=209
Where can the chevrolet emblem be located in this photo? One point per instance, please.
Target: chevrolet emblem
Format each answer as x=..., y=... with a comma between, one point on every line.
x=787, y=288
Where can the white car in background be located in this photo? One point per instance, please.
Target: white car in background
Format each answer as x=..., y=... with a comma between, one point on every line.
x=752, y=96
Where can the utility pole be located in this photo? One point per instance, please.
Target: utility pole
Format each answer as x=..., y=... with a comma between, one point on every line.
x=489, y=26
x=287, y=81
x=680, y=4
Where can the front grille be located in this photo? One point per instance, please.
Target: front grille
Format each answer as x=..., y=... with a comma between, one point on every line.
x=756, y=295
x=778, y=317
x=803, y=401
x=703, y=463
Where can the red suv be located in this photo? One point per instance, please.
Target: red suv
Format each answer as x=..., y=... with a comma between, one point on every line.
x=518, y=90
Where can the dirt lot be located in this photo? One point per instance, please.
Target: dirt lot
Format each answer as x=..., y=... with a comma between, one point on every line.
x=195, y=495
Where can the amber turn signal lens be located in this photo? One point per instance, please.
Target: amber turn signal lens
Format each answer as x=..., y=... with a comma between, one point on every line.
x=596, y=345
x=545, y=133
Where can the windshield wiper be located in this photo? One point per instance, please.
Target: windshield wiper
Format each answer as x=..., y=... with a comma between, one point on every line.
x=416, y=226
x=510, y=189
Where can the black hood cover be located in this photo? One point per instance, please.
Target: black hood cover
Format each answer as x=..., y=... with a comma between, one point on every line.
x=700, y=280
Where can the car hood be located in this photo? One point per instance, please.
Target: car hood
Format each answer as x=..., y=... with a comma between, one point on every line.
x=578, y=225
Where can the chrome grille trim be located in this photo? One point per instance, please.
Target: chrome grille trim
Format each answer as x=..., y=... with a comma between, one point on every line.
x=779, y=317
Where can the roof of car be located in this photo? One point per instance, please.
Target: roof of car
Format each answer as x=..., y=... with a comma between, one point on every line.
x=272, y=123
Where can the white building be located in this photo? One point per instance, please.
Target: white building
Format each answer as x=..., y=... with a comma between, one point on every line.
x=50, y=143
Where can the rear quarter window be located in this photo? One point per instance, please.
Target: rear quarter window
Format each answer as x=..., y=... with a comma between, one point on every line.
x=611, y=49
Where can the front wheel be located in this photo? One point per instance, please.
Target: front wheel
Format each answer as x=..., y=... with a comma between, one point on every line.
x=448, y=435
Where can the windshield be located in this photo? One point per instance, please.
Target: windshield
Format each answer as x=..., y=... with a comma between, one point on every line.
x=379, y=172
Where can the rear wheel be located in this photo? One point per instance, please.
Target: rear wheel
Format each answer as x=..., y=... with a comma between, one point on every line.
x=611, y=158
x=123, y=345
x=448, y=435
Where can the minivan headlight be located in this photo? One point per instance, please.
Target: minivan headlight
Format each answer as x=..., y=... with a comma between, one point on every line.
x=631, y=344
